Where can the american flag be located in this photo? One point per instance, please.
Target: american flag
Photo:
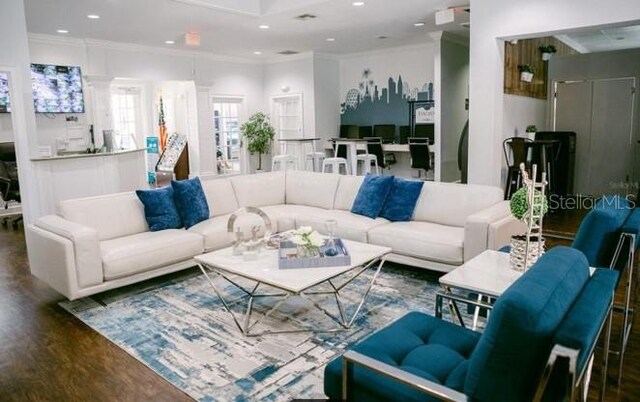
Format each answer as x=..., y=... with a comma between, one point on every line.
x=162, y=127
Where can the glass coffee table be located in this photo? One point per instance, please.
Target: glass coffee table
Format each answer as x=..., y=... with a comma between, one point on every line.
x=268, y=281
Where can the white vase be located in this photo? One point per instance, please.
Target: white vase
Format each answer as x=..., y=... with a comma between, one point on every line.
x=546, y=56
x=526, y=77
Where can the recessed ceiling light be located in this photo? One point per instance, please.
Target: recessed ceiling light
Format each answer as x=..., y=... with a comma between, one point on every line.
x=93, y=16
x=62, y=31
x=263, y=26
x=358, y=3
x=330, y=39
x=257, y=53
x=169, y=42
x=418, y=24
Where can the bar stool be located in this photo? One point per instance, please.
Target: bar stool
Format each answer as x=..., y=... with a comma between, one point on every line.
x=368, y=159
x=335, y=162
x=316, y=158
x=517, y=148
x=282, y=162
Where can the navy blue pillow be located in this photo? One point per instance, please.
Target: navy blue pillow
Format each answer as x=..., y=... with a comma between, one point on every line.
x=190, y=201
x=160, y=209
x=372, y=195
x=402, y=200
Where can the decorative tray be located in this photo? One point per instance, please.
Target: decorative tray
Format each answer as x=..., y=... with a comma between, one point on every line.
x=288, y=257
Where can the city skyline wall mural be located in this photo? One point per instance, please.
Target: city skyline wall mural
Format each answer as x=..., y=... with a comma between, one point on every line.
x=370, y=102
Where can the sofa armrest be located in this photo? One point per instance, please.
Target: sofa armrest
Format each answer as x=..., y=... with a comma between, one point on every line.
x=490, y=228
x=86, y=259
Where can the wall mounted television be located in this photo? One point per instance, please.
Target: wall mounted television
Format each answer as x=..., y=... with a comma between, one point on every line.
x=5, y=104
x=57, y=89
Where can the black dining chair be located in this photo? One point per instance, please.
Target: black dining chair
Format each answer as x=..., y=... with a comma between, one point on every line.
x=515, y=152
x=420, y=155
x=9, y=184
x=374, y=147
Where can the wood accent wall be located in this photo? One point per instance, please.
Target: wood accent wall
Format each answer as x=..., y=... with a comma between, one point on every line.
x=527, y=51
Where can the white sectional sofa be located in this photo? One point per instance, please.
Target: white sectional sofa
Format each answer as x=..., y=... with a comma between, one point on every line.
x=100, y=243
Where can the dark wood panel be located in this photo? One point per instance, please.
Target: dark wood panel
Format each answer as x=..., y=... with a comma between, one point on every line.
x=527, y=51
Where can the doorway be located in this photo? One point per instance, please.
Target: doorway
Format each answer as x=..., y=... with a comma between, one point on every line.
x=600, y=111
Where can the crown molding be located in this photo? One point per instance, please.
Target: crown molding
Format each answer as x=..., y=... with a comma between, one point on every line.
x=131, y=47
x=386, y=51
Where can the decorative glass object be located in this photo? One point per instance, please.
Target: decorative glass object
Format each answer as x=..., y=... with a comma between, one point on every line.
x=249, y=247
x=330, y=225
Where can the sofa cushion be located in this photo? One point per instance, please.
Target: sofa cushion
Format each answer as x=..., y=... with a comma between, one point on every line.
x=285, y=217
x=160, y=209
x=372, y=195
x=111, y=215
x=402, y=199
x=214, y=232
x=311, y=189
x=349, y=226
x=260, y=189
x=421, y=344
x=348, y=188
x=190, y=201
x=142, y=252
x=220, y=196
x=519, y=336
x=451, y=203
x=421, y=240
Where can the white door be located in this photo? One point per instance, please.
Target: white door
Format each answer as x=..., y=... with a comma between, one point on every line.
x=226, y=126
x=601, y=114
x=286, y=118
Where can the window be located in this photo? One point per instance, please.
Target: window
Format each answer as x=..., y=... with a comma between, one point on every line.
x=226, y=126
x=124, y=109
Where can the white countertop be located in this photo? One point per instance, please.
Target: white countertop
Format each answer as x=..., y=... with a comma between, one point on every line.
x=76, y=156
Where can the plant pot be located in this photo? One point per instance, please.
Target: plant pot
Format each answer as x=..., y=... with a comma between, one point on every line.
x=519, y=250
x=546, y=56
x=526, y=77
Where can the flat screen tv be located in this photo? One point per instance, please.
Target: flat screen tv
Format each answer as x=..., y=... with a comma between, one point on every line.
x=5, y=105
x=57, y=89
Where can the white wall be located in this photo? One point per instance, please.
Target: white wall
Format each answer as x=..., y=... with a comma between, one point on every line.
x=523, y=111
x=296, y=73
x=454, y=91
x=326, y=76
x=6, y=128
x=492, y=20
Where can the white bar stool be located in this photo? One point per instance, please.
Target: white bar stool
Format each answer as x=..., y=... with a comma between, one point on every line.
x=367, y=160
x=282, y=162
x=334, y=164
x=316, y=158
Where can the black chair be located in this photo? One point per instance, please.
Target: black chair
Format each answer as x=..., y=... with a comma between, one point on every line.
x=425, y=131
x=9, y=184
x=385, y=131
x=516, y=147
x=349, y=131
x=420, y=156
x=374, y=147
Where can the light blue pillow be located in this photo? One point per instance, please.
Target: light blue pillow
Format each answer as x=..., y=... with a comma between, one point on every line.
x=402, y=200
x=372, y=195
x=190, y=201
x=160, y=209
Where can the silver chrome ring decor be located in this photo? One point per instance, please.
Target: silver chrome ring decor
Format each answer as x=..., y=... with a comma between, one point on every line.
x=254, y=211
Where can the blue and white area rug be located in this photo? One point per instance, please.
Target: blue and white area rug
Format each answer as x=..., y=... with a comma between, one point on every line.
x=178, y=327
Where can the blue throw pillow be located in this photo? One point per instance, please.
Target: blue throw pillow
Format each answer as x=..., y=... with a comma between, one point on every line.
x=402, y=200
x=372, y=195
x=190, y=201
x=160, y=209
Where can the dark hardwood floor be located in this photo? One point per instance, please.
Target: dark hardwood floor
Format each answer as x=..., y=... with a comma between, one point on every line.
x=47, y=354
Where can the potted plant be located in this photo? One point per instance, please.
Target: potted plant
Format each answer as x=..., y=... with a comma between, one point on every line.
x=259, y=134
x=526, y=72
x=547, y=51
x=525, y=244
x=531, y=128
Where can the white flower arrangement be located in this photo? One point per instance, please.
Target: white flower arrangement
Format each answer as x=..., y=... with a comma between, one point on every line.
x=307, y=237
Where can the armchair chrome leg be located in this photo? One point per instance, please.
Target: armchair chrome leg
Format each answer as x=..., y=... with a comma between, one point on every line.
x=347, y=377
x=605, y=356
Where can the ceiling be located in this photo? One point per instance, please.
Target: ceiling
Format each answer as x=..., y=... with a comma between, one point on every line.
x=231, y=27
x=604, y=40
